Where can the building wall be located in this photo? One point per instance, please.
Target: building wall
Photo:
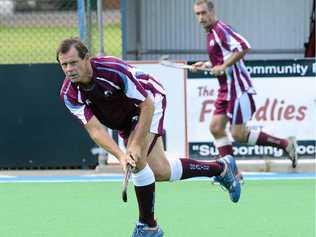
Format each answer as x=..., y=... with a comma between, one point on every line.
x=274, y=28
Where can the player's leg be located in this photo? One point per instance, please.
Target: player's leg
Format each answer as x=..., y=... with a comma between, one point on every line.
x=289, y=144
x=217, y=129
x=144, y=184
x=179, y=169
x=243, y=110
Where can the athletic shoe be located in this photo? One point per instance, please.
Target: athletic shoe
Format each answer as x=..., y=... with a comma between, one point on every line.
x=291, y=150
x=240, y=177
x=228, y=178
x=143, y=230
x=238, y=174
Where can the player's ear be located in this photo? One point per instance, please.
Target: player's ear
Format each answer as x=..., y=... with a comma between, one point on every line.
x=87, y=56
x=86, y=59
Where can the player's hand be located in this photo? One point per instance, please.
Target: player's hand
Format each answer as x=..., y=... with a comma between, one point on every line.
x=201, y=65
x=127, y=159
x=218, y=70
x=135, y=152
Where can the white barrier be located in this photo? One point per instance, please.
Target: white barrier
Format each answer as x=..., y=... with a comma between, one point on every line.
x=174, y=82
x=285, y=101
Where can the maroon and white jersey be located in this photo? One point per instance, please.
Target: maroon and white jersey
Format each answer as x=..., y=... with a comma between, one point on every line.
x=115, y=93
x=222, y=41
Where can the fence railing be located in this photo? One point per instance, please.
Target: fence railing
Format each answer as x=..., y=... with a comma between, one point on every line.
x=30, y=31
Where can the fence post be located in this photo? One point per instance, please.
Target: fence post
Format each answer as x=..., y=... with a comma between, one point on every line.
x=81, y=18
x=123, y=28
x=100, y=27
x=88, y=26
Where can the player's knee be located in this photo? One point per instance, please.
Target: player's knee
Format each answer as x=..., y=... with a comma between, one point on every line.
x=238, y=136
x=216, y=129
x=140, y=164
x=161, y=173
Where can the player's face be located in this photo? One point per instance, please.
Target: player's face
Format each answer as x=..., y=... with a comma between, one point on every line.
x=204, y=15
x=75, y=68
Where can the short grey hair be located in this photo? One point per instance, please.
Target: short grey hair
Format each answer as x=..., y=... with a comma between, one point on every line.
x=210, y=4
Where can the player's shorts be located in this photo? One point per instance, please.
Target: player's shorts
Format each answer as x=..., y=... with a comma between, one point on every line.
x=157, y=123
x=239, y=110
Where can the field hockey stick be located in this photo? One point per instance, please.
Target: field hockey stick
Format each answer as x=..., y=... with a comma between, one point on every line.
x=164, y=60
x=127, y=174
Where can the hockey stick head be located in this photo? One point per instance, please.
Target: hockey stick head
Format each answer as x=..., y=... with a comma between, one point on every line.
x=164, y=60
x=125, y=182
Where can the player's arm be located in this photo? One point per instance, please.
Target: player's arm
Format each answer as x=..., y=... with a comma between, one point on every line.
x=133, y=89
x=201, y=64
x=101, y=137
x=234, y=43
x=137, y=146
x=234, y=57
x=93, y=126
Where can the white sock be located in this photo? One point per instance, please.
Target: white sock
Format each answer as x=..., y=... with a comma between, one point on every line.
x=144, y=177
x=175, y=169
x=223, y=141
x=253, y=137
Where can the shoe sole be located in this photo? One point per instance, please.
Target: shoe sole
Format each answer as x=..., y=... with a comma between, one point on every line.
x=292, y=141
x=233, y=168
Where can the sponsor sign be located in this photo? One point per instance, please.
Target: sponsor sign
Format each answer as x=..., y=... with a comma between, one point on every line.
x=285, y=101
x=272, y=68
x=205, y=150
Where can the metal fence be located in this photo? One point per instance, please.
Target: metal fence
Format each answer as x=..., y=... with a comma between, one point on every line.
x=30, y=30
x=276, y=29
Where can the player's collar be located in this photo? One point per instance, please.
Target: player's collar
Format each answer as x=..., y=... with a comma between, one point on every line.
x=213, y=25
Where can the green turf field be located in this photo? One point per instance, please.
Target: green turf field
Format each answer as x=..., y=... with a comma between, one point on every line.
x=38, y=44
x=186, y=209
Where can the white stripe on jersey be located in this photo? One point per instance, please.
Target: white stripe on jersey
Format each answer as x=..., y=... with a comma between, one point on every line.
x=130, y=87
x=158, y=99
x=79, y=95
x=133, y=70
x=225, y=52
x=250, y=88
x=137, y=72
x=107, y=81
x=243, y=39
x=112, y=57
x=246, y=109
x=229, y=80
x=113, y=63
x=243, y=79
x=67, y=89
x=236, y=83
x=77, y=110
x=154, y=83
x=232, y=42
x=234, y=115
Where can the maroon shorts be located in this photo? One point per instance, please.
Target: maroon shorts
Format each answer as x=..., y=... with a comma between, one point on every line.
x=125, y=135
x=238, y=111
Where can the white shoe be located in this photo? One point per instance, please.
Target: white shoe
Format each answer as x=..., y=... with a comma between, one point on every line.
x=291, y=150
